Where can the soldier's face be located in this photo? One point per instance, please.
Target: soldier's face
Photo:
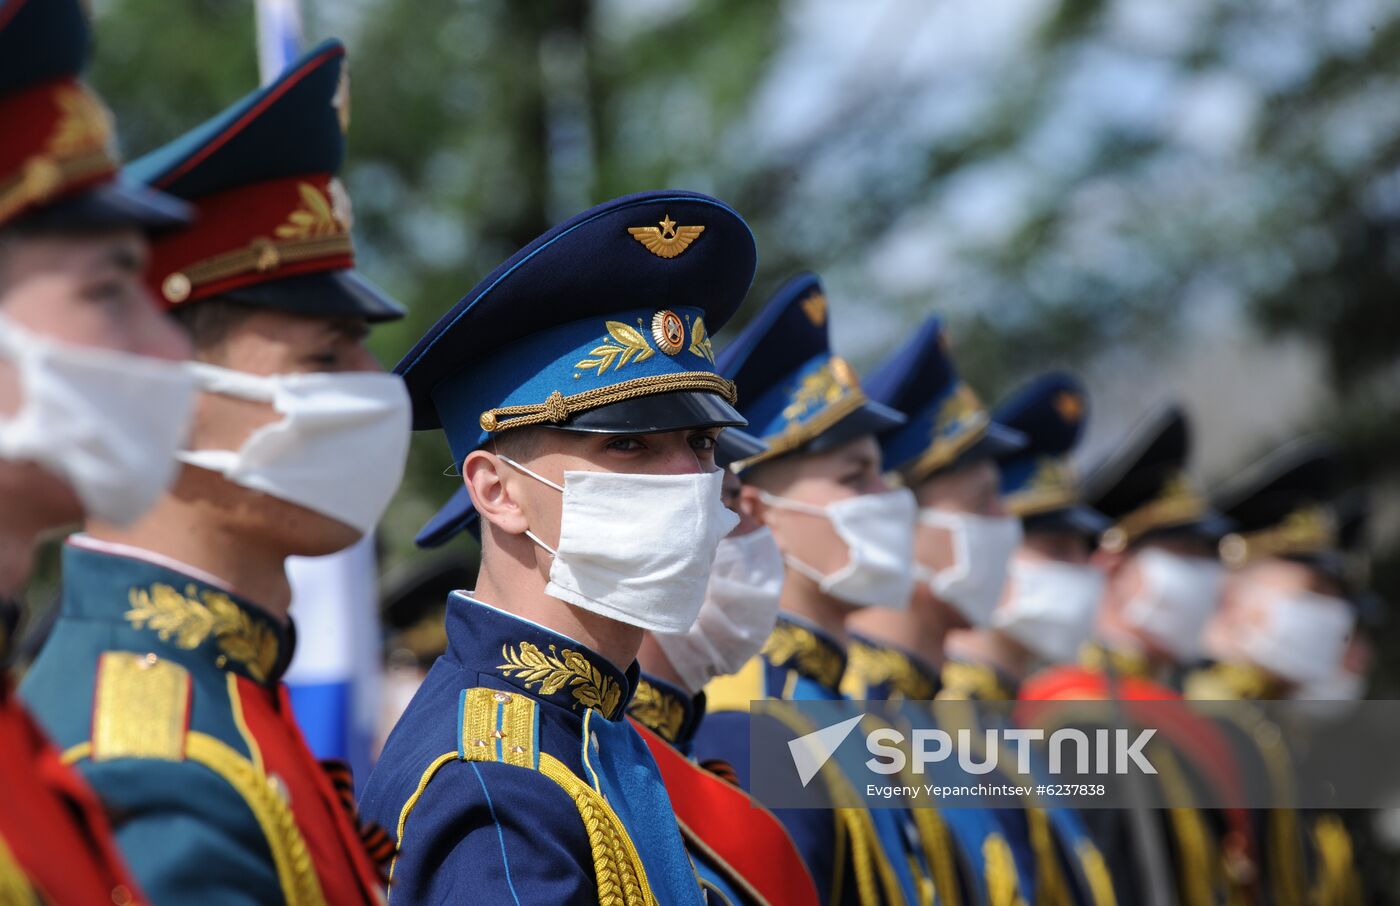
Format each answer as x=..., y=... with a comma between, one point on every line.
x=974, y=488
x=87, y=290
x=552, y=453
x=818, y=479
x=731, y=490
x=1249, y=594
x=274, y=342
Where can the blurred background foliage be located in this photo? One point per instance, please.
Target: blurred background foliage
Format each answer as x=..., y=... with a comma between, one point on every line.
x=1192, y=199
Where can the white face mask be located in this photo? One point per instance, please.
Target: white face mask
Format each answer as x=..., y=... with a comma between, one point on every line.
x=1178, y=597
x=338, y=450
x=740, y=610
x=106, y=422
x=982, y=549
x=1051, y=606
x=636, y=548
x=878, y=531
x=1341, y=686
x=1299, y=637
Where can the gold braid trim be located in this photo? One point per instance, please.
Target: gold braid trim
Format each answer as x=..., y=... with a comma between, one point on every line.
x=1337, y=883
x=622, y=879
x=559, y=408
x=295, y=871
x=260, y=256
x=44, y=177
x=937, y=844
x=15, y=889
x=1037, y=501
x=1051, y=888
x=944, y=451
x=1096, y=874
x=413, y=800
x=799, y=433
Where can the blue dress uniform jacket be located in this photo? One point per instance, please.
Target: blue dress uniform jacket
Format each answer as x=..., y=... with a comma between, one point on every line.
x=974, y=859
x=514, y=777
x=741, y=852
x=800, y=662
x=163, y=690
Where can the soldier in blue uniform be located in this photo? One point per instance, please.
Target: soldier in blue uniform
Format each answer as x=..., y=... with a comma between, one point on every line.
x=946, y=454
x=89, y=419
x=161, y=679
x=577, y=390
x=845, y=536
x=1047, y=608
x=741, y=851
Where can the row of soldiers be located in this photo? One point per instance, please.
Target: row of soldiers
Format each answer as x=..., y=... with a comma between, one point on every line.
x=668, y=530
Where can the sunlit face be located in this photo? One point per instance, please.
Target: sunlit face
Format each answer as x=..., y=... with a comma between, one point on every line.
x=730, y=492
x=1249, y=594
x=552, y=453
x=266, y=342
x=817, y=479
x=85, y=289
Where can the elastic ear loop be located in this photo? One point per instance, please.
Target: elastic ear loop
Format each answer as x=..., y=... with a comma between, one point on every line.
x=542, y=480
x=783, y=503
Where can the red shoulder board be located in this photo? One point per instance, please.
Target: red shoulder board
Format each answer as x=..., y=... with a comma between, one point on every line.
x=734, y=830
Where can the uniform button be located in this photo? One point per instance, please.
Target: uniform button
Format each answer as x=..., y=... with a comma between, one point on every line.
x=501, y=697
x=149, y=660
x=221, y=661
x=279, y=786
x=121, y=896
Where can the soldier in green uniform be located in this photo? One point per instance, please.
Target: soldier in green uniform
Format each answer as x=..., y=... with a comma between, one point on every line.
x=92, y=409
x=1286, y=617
x=161, y=679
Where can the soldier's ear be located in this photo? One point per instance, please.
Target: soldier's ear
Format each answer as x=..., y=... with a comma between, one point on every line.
x=751, y=504
x=482, y=472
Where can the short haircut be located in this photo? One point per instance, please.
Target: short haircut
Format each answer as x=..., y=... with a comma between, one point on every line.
x=209, y=321
x=519, y=444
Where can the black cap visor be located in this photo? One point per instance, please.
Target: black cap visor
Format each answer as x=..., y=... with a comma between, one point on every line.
x=871, y=418
x=1077, y=519
x=735, y=445
x=108, y=206
x=329, y=294
x=677, y=410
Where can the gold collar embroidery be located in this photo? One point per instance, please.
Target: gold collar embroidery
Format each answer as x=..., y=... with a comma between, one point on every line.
x=876, y=665
x=658, y=710
x=559, y=670
x=977, y=682
x=188, y=619
x=804, y=650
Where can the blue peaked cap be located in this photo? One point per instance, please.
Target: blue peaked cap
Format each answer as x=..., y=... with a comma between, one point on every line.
x=1038, y=483
x=603, y=324
x=796, y=394
x=947, y=423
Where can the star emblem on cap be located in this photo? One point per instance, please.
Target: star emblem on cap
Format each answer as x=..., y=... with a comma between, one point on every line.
x=667, y=240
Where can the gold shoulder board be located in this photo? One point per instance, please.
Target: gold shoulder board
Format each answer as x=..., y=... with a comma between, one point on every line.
x=498, y=726
x=141, y=708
